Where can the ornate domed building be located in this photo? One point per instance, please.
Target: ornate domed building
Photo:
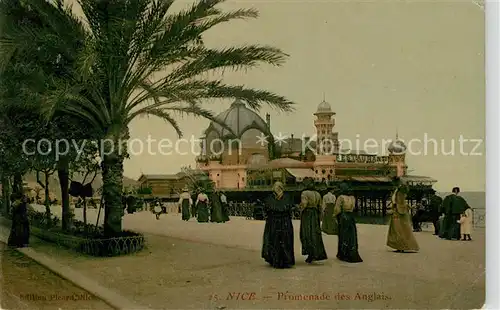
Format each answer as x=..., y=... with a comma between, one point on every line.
x=235, y=157
x=239, y=119
x=238, y=160
x=232, y=143
x=397, y=147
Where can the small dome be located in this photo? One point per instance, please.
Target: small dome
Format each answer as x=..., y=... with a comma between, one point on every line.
x=239, y=118
x=324, y=107
x=257, y=160
x=397, y=147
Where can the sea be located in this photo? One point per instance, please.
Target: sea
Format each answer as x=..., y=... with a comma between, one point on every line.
x=477, y=201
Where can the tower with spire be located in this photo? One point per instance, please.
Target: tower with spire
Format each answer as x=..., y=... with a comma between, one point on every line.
x=397, y=155
x=327, y=143
x=327, y=140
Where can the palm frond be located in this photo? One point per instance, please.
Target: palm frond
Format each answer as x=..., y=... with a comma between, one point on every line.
x=190, y=109
x=231, y=58
x=166, y=117
x=199, y=90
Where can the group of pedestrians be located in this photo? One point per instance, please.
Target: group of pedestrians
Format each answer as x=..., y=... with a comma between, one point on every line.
x=452, y=217
x=456, y=219
x=278, y=240
x=330, y=215
x=208, y=207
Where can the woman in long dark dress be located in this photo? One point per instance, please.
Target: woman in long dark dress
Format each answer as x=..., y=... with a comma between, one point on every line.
x=277, y=245
x=329, y=223
x=185, y=204
x=310, y=224
x=225, y=211
x=20, y=230
x=216, y=215
x=348, y=235
x=202, y=211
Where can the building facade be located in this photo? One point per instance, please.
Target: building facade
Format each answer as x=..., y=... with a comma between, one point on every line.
x=240, y=153
x=249, y=163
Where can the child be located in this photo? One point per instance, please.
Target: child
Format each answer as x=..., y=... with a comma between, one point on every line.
x=466, y=224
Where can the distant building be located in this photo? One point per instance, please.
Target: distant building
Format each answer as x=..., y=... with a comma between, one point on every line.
x=164, y=185
x=236, y=157
x=291, y=159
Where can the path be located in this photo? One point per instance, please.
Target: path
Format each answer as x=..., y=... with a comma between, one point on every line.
x=185, y=263
x=27, y=285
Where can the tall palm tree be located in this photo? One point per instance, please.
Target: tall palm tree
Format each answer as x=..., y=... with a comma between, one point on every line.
x=128, y=44
x=39, y=43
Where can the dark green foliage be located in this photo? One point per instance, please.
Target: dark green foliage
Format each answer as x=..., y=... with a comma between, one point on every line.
x=145, y=191
x=103, y=75
x=40, y=220
x=85, y=238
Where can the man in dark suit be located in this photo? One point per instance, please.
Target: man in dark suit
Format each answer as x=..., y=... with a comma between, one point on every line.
x=435, y=209
x=453, y=206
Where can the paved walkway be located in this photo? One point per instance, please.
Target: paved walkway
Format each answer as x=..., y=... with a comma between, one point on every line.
x=192, y=266
x=25, y=284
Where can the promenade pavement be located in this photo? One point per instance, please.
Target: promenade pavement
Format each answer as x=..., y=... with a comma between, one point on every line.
x=189, y=265
x=24, y=284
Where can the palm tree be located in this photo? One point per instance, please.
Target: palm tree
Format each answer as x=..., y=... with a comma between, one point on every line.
x=130, y=42
x=39, y=42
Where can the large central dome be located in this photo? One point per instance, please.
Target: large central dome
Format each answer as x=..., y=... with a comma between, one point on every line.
x=240, y=119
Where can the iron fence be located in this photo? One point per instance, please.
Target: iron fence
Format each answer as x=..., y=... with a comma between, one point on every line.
x=92, y=246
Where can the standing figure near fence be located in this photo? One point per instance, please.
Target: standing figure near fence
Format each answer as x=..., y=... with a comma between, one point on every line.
x=310, y=225
x=466, y=224
x=400, y=236
x=277, y=244
x=225, y=210
x=185, y=203
x=20, y=229
x=436, y=203
x=453, y=206
x=216, y=215
x=329, y=223
x=202, y=207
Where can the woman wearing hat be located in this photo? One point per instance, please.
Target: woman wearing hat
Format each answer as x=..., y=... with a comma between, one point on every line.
x=202, y=207
x=400, y=236
x=277, y=245
x=216, y=214
x=185, y=203
x=348, y=235
x=310, y=227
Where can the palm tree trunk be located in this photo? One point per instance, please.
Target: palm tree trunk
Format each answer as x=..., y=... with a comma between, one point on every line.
x=47, y=196
x=112, y=178
x=6, y=194
x=85, y=213
x=63, y=174
x=17, y=186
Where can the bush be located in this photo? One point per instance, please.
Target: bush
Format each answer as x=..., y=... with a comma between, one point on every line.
x=39, y=219
x=85, y=238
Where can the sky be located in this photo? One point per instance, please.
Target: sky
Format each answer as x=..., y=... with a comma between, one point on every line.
x=415, y=68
